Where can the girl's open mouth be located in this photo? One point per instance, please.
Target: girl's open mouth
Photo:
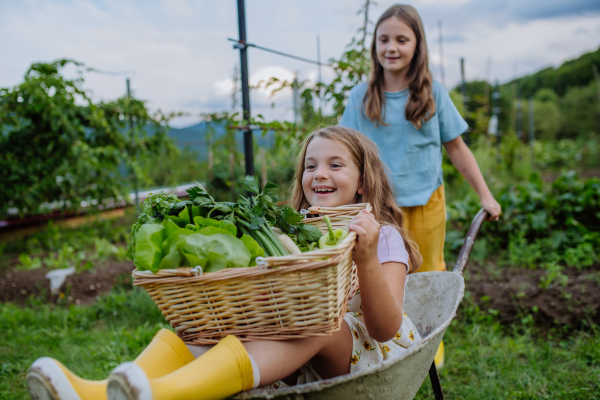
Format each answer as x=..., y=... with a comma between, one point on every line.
x=323, y=191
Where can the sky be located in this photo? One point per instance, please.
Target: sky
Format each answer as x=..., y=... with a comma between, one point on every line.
x=178, y=58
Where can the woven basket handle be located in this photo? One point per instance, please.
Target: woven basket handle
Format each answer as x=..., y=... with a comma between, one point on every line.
x=340, y=210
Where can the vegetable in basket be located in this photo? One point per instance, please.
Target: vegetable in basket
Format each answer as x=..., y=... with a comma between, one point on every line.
x=210, y=243
x=165, y=234
x=333, y=238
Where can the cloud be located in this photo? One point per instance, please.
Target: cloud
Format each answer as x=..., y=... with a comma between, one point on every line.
x=183, y=61
x=454, y=38
x=515, y=50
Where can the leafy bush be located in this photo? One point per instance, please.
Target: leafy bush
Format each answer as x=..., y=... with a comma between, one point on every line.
x=560, y=224
x=59, y=148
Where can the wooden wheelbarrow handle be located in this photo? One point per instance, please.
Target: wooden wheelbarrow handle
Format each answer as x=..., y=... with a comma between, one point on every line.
x=467, y=246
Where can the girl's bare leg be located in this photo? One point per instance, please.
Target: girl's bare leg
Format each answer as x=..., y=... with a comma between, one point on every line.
x=329, y=355
x=276, y=360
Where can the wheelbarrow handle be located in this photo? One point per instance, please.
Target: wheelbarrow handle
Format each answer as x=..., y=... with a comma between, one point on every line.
x=467, y=246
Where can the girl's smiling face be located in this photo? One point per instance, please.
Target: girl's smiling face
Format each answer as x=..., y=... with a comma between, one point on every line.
x=330, y=178
x=395, y=45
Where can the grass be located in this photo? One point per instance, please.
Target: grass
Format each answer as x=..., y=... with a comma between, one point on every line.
x=483, y=360
x=90, y=340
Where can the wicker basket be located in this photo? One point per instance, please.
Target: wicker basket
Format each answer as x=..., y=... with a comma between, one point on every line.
x=286, y=297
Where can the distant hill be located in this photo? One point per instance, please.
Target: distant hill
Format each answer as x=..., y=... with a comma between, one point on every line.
x=195, y=137
x=576, y=72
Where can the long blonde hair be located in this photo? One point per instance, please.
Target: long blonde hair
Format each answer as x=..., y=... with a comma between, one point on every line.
x=374, y=180
x=420, y=106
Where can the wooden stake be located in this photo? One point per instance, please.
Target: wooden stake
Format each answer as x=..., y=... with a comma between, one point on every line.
x=232, y=174
x=264, y=166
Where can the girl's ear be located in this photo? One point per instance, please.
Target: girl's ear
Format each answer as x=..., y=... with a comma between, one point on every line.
x=360, y=187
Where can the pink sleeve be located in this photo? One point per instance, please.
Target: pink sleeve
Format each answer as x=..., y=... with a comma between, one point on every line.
x=391, y=246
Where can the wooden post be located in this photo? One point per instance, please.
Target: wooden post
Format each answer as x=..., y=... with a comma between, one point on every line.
x=519, y=112
x=495, y=111
x=441, y=41
x=135, y=179
x=486, y=88
x=210, y=164
x=531, y=133
x=465, y=99
x=263, y=154
x=597, y=76
x=248, y=140
x=232, y=175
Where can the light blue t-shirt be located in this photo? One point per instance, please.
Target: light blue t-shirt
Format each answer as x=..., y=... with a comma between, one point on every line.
x=413, y=156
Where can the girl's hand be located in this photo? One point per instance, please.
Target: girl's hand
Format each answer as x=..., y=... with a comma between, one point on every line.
x=367, y=228
x=490, y=205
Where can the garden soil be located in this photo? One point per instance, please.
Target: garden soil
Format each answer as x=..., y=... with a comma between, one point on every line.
x=81, y=288
x=514, y=294
x=509, y=293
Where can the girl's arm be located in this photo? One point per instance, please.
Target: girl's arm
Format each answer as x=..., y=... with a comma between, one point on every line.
x=465, y=163
x=381, y=286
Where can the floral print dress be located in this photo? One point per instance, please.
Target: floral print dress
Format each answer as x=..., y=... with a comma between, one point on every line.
x=366, y=351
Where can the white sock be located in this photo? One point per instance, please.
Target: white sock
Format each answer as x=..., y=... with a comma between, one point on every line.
x=255, y=372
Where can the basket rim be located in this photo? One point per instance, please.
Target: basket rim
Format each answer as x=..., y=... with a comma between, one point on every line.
x=315, y=259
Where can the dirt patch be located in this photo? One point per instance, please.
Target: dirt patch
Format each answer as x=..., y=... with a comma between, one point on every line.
x=82, y=288
x=509, y=293
x=514, y=294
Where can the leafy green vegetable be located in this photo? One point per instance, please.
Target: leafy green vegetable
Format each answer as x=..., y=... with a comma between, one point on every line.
x=170, y=227
x=212, y=230
x=287, y=219
x=251, y=184
x=181, y=222
x=148, y=247
x=254, y=248
x=308, y=233
x=160, y=204
x=172, y=256
x=184, y=214
x=199, y=196
x=251, y=218
x=270, y=185
x=202, y=222
x=229, y=226
x=214, y=252
x=141, y=220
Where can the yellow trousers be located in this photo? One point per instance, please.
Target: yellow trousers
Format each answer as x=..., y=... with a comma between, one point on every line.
x=427, y=226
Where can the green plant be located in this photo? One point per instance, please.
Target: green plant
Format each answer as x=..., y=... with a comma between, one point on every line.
x=66, y=257
x=553, y=276
x=58, y=148
x=105, y=249
x=540, y=223
x=28, y=263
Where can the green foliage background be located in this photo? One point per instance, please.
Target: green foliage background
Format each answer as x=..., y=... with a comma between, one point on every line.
x=59, y=148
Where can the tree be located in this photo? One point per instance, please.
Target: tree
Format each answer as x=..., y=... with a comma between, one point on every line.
x=58, y=148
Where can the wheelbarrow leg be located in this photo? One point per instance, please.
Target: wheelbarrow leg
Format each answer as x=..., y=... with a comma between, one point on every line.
x=435, y=382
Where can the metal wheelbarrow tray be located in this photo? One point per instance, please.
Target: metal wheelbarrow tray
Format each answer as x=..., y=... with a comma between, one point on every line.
x=431, y=300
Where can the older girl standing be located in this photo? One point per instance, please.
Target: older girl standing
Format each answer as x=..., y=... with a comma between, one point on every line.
x=410, y=116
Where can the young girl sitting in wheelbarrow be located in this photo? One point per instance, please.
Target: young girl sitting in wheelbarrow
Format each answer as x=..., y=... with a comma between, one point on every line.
x=337, y=166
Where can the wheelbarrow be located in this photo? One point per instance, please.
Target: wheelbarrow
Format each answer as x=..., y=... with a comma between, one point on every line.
x=431, y=300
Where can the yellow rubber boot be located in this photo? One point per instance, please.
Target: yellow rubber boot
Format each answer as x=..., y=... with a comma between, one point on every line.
x=165, y=354
x=439, y=356
x=48, y=379
x=222, y=371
